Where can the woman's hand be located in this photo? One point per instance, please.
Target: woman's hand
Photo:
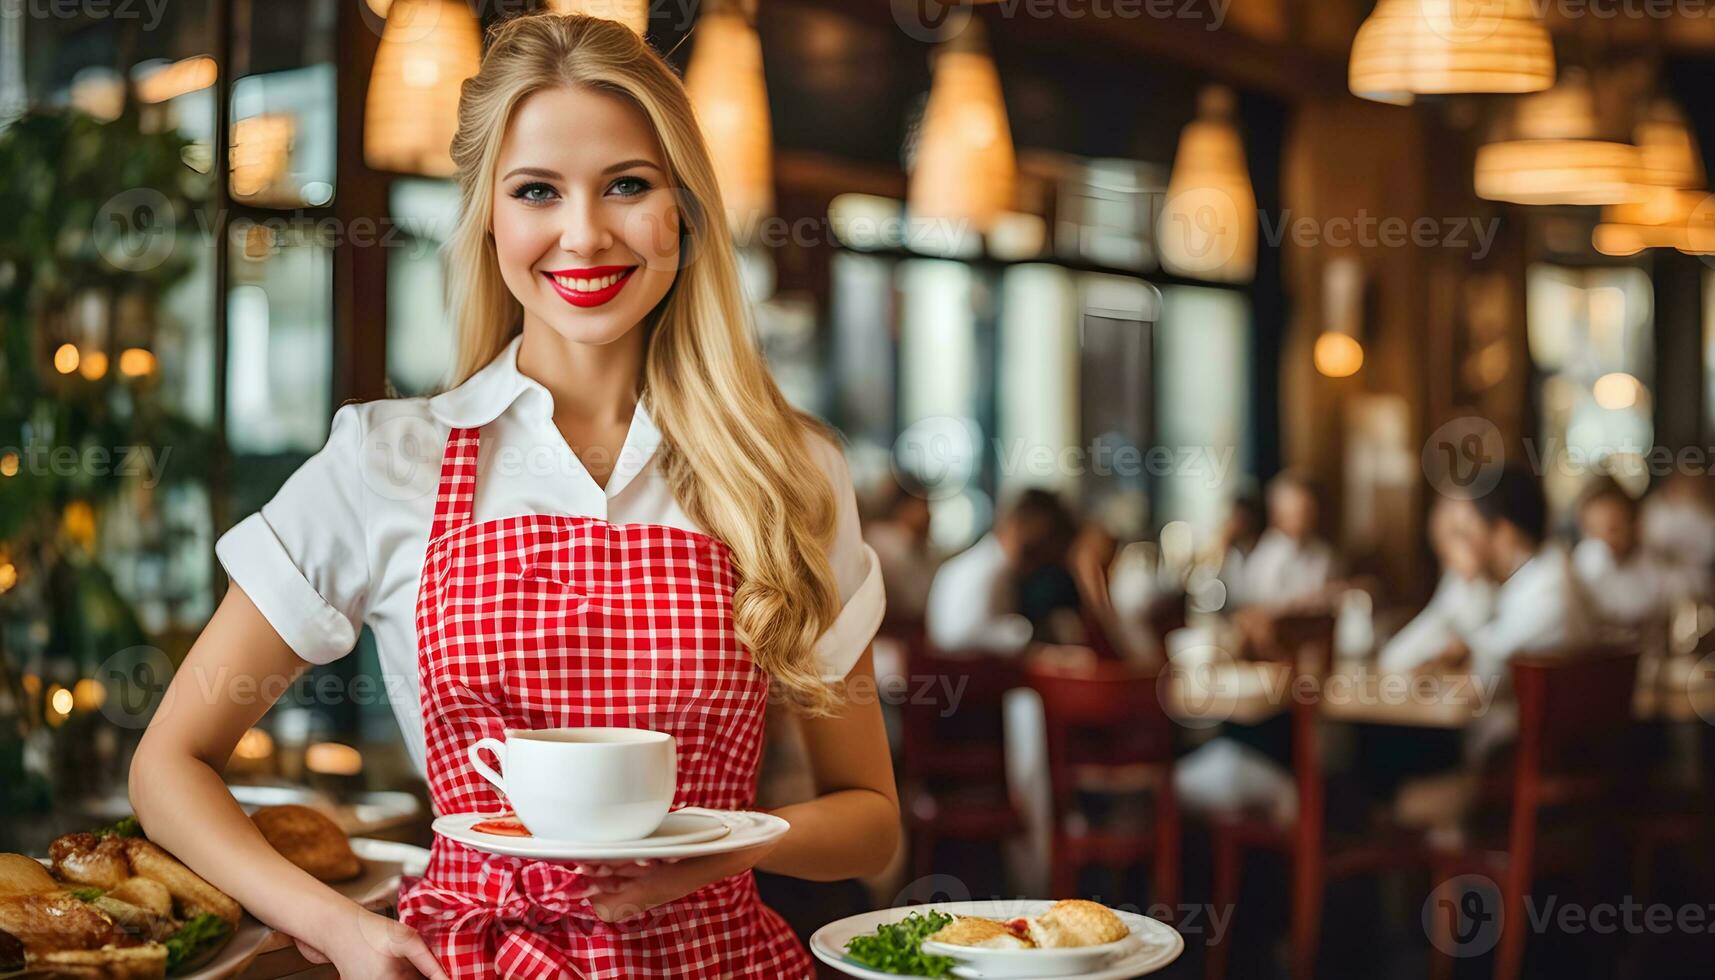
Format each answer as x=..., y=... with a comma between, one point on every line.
x=360, y=943
x=629, y=889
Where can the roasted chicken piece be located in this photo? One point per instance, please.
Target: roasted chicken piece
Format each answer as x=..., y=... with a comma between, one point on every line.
x=144, y=962
x=135, y=920
x=90, y=860
x=57, y=920
x=145, y=894
x=187, y=888
x=20, y=875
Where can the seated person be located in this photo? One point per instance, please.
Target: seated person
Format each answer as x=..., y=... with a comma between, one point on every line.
x=1463, y=600
x=1627, y=586
x=1539, y=606
x=1290, y=562
x=1677, y=524
x=1010, y=587
x=908, y=558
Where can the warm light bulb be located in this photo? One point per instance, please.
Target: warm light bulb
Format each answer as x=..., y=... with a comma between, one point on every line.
x=333, y=759
x=60, y=700
x=94, y=365
x=254, y=744
x=135, y=362
x=9, y=464
x=1616, y=391
x=1338, y=355
x=66, y=358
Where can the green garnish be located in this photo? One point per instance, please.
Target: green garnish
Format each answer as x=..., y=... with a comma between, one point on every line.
x=897, y=948
x=196, y=936
x=85, y=894
x=127, y=827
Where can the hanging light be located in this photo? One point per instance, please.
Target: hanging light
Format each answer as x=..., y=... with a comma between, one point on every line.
x=1556, y=153
x=964, y=171
x=1407, y=48
x=632, y=13
x=1669, y=194
x=1338, y=353
x=1208, y=224
x=261, y=150
x=427, y=49
x=726, y=86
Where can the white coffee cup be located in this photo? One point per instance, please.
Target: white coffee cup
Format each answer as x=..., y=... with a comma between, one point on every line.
x=584, y=784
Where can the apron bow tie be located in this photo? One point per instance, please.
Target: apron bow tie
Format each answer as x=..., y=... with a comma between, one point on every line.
x=533, y=893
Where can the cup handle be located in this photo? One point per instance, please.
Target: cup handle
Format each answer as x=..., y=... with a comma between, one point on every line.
x=496, y=746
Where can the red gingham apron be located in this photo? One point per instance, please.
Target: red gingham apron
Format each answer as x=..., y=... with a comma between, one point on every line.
x=543, y=621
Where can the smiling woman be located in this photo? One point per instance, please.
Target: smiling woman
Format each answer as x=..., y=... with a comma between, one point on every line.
x=699, y=538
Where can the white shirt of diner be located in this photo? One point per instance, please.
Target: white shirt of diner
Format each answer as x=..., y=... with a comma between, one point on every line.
x=1280, y=570
x=1640, y=590
x=973, y=605
x=342, y=543
x=1540, y=608
x=1459, y=607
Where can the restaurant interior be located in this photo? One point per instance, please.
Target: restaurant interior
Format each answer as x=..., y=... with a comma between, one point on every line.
x=1285, y=428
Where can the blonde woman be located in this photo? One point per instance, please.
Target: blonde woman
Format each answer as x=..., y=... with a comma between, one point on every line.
x=614, y=518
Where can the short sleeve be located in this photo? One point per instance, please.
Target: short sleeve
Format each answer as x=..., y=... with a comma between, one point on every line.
x=301, y=559
x=857, y=573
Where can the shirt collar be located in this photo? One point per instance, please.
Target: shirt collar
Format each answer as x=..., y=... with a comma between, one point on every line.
x=488, y=393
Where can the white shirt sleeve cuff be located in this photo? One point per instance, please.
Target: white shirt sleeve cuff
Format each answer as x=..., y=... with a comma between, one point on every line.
x=254, y=558
x=842, y=643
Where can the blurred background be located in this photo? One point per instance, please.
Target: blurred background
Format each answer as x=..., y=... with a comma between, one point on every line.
x=1129, y=279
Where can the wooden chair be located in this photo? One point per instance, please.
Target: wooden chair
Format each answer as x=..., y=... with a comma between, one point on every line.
x=1306, y=641
x=1574, y=711
x=1104, y=721
x=953, y=760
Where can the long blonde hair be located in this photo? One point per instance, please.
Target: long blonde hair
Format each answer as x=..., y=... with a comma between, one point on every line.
x=733, y=451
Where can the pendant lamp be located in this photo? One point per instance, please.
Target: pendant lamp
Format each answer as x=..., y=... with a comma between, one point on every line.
x=1208, y=224
x=1669, y=212
x=964, y=172
x=632, y=13
x=1556, y=153
x=1407, y=48
x=427, y=49
x=730, y=96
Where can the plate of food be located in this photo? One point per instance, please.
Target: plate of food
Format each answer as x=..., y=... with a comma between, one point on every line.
x=110, y=904
x=1028, y=938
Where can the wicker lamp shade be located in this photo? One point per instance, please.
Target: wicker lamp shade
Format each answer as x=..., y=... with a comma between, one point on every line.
x=1556, y=154
x=632, y=13
x=427, y=49
x=1669, y=211
x=1667, y=150
x=1407, y=48
x=1208, y=224
x=964, y=171
x=727, y=89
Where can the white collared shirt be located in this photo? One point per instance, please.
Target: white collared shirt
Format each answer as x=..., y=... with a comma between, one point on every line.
x=1639, y=590
x=973, y=605
x=1459, y=607
x=342, y=544
x=1280, y=570
x=1538, y=609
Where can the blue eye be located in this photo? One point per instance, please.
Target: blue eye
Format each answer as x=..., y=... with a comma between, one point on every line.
x=630, y=186
x=523, y=192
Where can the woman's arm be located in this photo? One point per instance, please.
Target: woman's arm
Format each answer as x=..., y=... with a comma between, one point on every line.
x=851, y=828
x=235, y=671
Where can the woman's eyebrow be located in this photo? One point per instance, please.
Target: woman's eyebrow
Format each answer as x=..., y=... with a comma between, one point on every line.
x=629, y=164
x=533, y=172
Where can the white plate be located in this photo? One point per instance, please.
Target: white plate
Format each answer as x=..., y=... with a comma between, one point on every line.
x=739, y=829
x=1155, y=944
x=690, y=825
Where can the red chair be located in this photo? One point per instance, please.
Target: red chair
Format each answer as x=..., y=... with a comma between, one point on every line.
x=1104, y=721
x=953, y=761
x=1307, y=642
x=1574, y=713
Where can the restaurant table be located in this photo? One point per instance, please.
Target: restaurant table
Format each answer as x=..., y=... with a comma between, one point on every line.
x=1672, y=689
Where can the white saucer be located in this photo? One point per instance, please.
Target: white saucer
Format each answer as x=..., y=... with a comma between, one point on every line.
x=690, y=832
x=1152, y=945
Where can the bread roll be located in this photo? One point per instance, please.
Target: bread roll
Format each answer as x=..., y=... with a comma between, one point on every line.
x=310, y=840
x=979, y=933
x=1075, y=922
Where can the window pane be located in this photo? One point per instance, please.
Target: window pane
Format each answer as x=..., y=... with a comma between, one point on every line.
x=280, y=342
x=420, y=348
x=1204, y=351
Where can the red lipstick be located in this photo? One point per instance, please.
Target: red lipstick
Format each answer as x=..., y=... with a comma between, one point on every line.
x=590, y=286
